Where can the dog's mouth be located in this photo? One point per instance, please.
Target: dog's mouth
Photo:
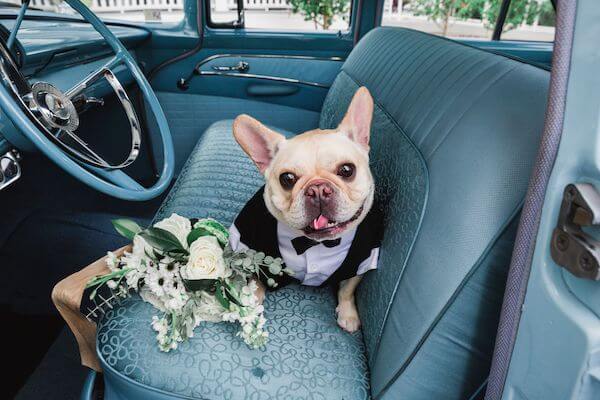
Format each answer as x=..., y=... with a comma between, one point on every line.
x=324, y=226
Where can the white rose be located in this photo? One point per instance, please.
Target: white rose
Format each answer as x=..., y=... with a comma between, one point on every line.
x=178, y=226
x=206, y=260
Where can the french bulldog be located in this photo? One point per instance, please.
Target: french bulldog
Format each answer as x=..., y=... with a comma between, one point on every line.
x=318, y=183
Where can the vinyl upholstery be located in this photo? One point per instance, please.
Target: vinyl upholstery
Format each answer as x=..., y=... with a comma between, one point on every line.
x=454, y=136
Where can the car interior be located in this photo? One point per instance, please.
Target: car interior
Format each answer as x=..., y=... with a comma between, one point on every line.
x=456, y=128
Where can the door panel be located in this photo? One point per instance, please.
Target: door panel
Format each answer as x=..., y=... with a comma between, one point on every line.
x=299, y=60
x=285, y=84
x=295, y=81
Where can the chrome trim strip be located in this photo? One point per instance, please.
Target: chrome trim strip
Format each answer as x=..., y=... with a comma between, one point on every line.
x=183, y=83
x=284, y=56
x=263, y=77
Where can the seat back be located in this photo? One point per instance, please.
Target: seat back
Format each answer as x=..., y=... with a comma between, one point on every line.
x=454, y=136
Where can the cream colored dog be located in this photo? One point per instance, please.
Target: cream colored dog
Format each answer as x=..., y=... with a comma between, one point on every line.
x=317, y=183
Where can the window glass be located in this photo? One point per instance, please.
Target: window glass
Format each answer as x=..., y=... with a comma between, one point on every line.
x=286, y=15
x=529, y=20
x=472, y=19
x=124, y=10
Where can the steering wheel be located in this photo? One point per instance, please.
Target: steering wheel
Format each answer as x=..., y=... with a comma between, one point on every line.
x=49, y=118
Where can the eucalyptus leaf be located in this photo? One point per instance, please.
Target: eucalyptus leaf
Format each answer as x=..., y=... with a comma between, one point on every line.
x=126, y=227
x=274, y=269
x=162, y=240
x=259, y=256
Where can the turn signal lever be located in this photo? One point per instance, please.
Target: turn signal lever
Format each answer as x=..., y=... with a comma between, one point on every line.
x=83, y=102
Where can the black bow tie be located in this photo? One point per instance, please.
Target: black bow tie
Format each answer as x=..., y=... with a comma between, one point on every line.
x=302, y=243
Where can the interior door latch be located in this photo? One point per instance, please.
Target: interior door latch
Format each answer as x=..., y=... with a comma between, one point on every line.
x=572, y=247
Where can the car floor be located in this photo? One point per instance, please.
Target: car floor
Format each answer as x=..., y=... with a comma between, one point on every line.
x=59, y=375
x=44, y=236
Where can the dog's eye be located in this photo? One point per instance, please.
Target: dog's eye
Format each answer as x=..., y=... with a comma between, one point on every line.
x=346, y=170
x=287, y=180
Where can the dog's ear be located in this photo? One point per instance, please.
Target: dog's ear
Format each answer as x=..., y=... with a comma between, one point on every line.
x=258, y=141
x=357, y=121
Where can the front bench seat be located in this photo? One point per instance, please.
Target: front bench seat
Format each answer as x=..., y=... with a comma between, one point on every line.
x=455, y=132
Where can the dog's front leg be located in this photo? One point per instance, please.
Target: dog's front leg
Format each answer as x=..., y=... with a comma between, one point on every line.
x=347, y=314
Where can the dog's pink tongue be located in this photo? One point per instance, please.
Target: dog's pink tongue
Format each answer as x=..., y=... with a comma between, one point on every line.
x=320, y=223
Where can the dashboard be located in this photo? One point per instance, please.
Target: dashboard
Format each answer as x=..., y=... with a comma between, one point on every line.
x=61, y=50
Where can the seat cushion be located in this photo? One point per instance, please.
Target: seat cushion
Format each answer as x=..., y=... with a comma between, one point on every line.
x=308, y=356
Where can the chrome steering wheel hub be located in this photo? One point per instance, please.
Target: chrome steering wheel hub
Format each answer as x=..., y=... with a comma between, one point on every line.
x=55, y=109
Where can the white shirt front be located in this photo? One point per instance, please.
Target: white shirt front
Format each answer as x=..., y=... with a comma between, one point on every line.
x=316, y=264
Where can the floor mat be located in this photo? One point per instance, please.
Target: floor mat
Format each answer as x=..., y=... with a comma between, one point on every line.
x=60, y=375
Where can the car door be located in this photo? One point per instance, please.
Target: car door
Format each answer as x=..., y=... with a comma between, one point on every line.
x=262, y=58
x=549, y=342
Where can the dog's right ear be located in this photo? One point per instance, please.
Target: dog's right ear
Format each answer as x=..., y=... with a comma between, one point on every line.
x=258, y=141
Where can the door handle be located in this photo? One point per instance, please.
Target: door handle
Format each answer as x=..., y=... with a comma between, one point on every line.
x=242, y=66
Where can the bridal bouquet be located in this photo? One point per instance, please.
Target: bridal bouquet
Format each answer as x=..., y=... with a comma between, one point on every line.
x=187, y=271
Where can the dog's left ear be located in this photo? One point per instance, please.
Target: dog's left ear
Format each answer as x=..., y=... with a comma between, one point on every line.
x=357, y=121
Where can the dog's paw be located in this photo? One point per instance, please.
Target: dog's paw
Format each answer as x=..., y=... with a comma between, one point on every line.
x=347, y=317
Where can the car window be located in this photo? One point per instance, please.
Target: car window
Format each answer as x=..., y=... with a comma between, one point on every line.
x=531, y=20
x=283, y=15
x=124, y=10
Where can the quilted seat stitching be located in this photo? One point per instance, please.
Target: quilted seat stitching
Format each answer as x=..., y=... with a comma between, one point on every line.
x=449, y=103
x=417, y=231
x=497, y=79
x=453, y=298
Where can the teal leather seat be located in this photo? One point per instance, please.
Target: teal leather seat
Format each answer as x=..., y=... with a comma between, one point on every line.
x=454, y=137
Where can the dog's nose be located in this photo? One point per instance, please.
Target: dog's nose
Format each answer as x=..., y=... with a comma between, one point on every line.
x=319, y=193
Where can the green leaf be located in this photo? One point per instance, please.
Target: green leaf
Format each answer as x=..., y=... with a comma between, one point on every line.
x=196, y=233
x=221, y=297
x=161, y=239
x=194, y=285
x=126, y=227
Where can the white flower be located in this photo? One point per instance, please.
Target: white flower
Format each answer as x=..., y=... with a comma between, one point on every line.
x=141, y=248
x=112, y=261
x=112, y=284
x=206, y=260
x=178, y=226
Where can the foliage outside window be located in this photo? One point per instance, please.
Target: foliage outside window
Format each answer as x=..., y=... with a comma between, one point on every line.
x=473, y=19
x=321, y=12
x=124, y=10
x=285, y=15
